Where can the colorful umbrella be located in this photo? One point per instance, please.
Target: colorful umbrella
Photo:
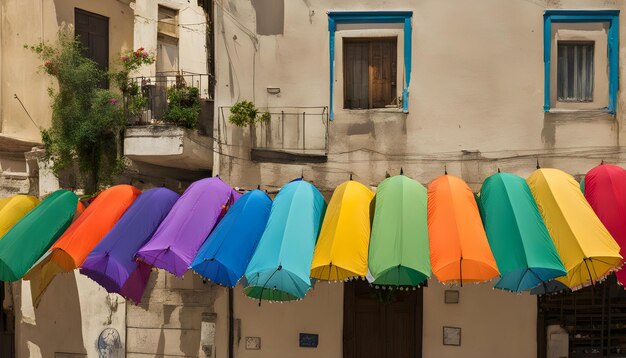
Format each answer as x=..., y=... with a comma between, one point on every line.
x=30, y=237
x=13, y=208
x=341, y=250
x=518, y=237
x=186, y=227
x=280, y=267
x=72, y=248
x=586, y=248
x=111, y=263
x=459, y=251
x=399, y=249
x=224, y=256
x=606, y=193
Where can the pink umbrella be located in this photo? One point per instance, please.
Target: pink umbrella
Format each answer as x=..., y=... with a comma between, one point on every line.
x=605, y=190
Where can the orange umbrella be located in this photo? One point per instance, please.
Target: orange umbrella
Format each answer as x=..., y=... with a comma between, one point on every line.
x=459, y=250
x=72, y=248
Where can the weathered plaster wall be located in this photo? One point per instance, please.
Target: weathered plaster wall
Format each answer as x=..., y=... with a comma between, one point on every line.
x=73, y=312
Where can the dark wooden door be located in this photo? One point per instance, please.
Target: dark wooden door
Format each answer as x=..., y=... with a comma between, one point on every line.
x=7, y=333
x=381, y=323
x=93, y=32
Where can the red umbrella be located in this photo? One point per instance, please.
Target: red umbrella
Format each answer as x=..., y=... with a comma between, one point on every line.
x=605, y=190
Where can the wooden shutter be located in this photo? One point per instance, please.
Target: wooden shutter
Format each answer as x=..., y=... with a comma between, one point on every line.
x=369, y=72
x=382, y=72
x=93, y=32
x=356, y=81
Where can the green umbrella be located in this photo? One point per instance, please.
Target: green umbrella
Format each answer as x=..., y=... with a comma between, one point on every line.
x=33, y=235
x=519, y=240
x=399, y=253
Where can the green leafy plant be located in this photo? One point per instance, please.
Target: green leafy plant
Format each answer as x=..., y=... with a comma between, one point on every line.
x=87, y=121
x=130, y=61
x=245, y=113
x=183, y=106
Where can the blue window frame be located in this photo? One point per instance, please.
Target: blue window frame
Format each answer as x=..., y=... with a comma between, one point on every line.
x=581, y=16
x=371, y=17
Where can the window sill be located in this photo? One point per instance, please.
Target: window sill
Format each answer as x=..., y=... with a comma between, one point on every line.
x=601, y=114
x=374, y=110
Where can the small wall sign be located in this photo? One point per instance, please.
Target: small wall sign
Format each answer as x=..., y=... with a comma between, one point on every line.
x=253, y=343
x=309, y=340
x=451, y=296
x=451, y=336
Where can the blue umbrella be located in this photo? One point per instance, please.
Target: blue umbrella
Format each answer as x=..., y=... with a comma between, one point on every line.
x=226, y=253
x=280, y=267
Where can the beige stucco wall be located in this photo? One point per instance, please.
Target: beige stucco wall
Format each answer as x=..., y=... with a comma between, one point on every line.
x=476, y=105
x=192, y=53
x=279, y=324
x=73, y=312
x=29, y=22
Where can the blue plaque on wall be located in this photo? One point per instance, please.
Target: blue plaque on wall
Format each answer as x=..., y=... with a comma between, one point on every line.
x=309, y=340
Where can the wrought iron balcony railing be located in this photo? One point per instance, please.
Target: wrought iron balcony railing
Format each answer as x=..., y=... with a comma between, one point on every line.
x=292, y=129
x=147, y=100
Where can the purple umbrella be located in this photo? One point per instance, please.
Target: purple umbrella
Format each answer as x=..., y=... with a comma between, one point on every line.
x=111, y=263
x=186, y=227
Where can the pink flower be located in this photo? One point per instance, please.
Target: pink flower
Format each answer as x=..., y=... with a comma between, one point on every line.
x=113, y=101
x=140, y=49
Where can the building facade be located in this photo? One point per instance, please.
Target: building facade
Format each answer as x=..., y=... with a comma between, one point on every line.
x=372, y=88
x=360, y=89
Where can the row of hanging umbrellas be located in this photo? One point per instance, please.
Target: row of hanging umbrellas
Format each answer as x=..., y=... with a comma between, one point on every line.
x=542, y=234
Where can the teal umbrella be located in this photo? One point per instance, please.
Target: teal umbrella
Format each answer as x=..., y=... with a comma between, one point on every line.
x=399, y=251
x=518, y=237
x=280, y=267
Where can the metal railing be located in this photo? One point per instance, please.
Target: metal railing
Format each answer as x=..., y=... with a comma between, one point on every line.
x=295, y=129
x=154, y=89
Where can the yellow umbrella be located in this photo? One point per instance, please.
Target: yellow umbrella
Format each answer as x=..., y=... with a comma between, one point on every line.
x=13, y=208
x=587, y=250
x=342, y=247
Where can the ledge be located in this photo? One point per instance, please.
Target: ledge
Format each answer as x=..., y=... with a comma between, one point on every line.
x=285, y=157
x=169, y=146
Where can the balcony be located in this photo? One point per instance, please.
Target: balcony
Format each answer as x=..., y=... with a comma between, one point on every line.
x=151, y=138
x=293, y=134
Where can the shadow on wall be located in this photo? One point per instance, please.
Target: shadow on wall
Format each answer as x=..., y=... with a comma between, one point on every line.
x=58, y=321
x=270, y=16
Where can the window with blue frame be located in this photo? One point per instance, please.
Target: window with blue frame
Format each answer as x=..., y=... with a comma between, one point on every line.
x=581, y=59
x=371, y=17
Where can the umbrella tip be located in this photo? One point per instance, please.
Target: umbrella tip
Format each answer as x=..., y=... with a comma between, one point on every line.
x=498, y=170
x=350, y=176
x=387, y=175
x=258, y=186
x=445, y=169
x=538, y=166
x=602, y=162
x=401, y=171
x=302, y=174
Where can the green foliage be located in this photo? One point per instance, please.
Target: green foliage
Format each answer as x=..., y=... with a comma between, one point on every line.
x=183, y=106
x=245, y=113
x=131, y=61
x=87, y=122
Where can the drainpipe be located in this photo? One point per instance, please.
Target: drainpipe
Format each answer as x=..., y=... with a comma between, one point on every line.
x=231, y=325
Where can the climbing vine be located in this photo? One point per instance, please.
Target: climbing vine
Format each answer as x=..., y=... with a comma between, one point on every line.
x=87, y=121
